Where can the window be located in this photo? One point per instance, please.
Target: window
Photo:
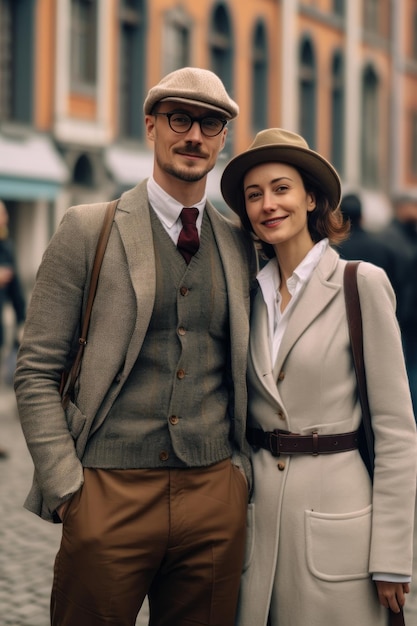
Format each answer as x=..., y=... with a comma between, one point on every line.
x=83, y=43
x=221, y=55
x=16, y=60
x=414, y=144
x=371, y=16
x=369, y=134
x=220, y=46
x=337, y=107
x=414, y=36
x=176, y=41
x=339, y=7
x=307, y=91
x=83, y=172
x=132, y=68
x=260, y=79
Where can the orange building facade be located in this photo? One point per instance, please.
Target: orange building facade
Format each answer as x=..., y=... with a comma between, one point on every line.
x=74, y=74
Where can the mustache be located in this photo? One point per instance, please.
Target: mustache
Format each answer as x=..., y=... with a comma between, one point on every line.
x=191, y=149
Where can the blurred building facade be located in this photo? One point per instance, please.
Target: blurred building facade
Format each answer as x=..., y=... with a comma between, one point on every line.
x=74, y=74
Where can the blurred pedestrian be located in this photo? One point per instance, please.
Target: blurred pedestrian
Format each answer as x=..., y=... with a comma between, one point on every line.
x=10, y=292
x=361, y=245
x=400, y=236
x=148, y=468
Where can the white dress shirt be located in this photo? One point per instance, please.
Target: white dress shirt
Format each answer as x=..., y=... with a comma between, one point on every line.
x=269, y=280
x=168, y=209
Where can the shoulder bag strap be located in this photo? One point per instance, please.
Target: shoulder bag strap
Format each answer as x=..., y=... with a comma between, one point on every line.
x=95, y=272
x=354, y=317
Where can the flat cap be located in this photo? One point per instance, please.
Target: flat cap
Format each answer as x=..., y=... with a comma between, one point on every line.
x=192, y=85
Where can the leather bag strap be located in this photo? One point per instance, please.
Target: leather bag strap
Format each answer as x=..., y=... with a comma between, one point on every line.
x=396, y=619
x=354, y=317
x=95, y=272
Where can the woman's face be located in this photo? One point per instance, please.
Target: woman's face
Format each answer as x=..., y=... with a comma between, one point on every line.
x=277, y=204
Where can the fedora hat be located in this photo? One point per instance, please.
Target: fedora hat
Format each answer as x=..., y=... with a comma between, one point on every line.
x=192, y=85
x=277, y=144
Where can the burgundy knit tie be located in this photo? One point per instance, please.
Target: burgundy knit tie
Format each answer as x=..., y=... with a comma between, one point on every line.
x=188, y=241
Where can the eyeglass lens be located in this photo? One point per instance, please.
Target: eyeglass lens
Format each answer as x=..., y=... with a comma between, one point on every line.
x=182, y=122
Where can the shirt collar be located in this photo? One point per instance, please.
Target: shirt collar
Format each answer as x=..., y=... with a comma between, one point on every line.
x=166, y=207
x=269, y=275
x=304, y=270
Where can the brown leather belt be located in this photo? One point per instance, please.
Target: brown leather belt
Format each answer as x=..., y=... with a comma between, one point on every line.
x=283, y=442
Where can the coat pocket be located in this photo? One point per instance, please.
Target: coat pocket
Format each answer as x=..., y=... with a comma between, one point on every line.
x=250, y=536
x=75, y=420
x=338, y=545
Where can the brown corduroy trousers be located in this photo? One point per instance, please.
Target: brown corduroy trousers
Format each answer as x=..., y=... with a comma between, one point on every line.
x=176, y=535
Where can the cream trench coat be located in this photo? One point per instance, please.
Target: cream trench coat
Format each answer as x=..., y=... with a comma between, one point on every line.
x=316, y=530
x=119, y=321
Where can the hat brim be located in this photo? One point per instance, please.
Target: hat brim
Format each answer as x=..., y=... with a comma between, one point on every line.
x=196, y=102
x=301, y=158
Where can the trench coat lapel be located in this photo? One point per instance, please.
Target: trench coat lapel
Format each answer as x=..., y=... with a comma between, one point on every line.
x=318, y=293
x=134, y=225
x=259, y=351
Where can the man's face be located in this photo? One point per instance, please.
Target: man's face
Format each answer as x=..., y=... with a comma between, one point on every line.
x=187, y=156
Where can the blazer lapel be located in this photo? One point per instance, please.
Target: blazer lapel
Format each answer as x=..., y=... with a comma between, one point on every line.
x=235, y=274
x=133, y=221
x=237, y=281
x=318, y=293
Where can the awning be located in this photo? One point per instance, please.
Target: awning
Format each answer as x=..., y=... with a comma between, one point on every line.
x=128, y=166
x=30, y=168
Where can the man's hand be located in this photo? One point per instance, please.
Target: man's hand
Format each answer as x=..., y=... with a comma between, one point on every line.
x=62, y=508
x=391, y=595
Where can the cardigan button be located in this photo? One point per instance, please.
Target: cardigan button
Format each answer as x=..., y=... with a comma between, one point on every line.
x=173, y=419
x=163, y=456
x=281, y=415
x=281, y=466
x=184, y=291
x=181, y=374
x=281, y=375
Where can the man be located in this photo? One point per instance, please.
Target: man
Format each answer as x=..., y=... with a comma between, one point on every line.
x=361, y=244
x=400, y=237
x=146, y=467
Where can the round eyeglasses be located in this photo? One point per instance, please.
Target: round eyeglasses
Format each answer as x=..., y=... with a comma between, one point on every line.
x=182, y=122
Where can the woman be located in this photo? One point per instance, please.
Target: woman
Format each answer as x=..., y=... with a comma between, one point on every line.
x=325, y=546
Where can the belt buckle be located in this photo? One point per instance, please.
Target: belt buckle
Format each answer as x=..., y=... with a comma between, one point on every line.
x=273, y=442
x=315, y=441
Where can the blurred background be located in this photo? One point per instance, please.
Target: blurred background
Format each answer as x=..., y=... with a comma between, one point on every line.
x=73, y=78
x=74, y=74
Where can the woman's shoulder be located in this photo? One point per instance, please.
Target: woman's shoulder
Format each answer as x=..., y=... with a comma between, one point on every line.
x=374, y=285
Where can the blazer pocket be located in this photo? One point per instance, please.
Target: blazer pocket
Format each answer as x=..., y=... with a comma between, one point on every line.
x=337, y=545
x=75, y=420
x=250, y=536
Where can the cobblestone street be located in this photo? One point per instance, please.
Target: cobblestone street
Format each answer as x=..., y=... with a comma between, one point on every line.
x=27, y=544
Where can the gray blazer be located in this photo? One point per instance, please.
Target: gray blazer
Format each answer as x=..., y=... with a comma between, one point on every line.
x=121, y=313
